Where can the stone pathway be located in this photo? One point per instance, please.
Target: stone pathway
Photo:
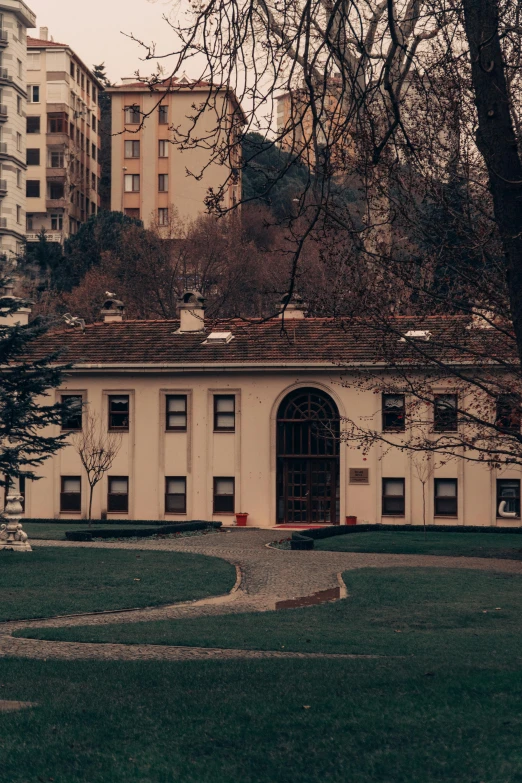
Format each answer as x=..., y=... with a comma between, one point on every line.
x=268, y=577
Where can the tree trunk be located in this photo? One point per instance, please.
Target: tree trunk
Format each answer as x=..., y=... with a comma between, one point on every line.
x=497, y=142
x=90, y=503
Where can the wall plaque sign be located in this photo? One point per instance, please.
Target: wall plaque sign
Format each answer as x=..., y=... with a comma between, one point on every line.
x=359, y=476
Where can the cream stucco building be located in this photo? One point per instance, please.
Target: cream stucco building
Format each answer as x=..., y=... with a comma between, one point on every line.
x=231, y=417
x=160, y=175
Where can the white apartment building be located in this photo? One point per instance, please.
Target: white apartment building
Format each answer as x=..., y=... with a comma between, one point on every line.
x=15, y=19
x=63, y=143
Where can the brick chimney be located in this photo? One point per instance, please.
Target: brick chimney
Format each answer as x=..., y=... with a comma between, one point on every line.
x=44, y=33
x=191, y=312
x=112, y=311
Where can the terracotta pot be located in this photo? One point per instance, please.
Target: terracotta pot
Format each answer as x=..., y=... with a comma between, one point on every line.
x=241, y=518
x=351, y=520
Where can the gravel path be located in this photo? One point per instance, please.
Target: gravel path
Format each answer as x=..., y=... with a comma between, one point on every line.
x=268, y=576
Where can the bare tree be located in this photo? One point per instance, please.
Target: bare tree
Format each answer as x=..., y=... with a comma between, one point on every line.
x=97, y=450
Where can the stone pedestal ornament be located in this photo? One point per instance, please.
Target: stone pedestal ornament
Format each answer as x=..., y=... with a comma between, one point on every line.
x=12, y=535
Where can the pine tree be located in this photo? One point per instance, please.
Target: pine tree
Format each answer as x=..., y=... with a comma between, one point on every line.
x=24, y=444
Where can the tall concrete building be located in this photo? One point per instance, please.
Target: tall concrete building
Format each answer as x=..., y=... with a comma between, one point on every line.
x=150, y=162
x=63, y=143
x=15, y=19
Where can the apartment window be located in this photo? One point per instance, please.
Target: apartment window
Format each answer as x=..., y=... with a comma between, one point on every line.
x=176, y=412
x=33, y=124
x=18, y=213
x=19, y=143
x=446, y=497
x=88, y=88
x=93, y=181
x=508, y=417
x=132, y=115
x=132, y=213
x=57, y=123
x=29, y=222
x=224, y=495
x=94, y=93
x=132, y=183
x=56, y=159
x=57, y=222
x=56, y=190
x=176, y=495
x=508, y=497
x=77, y=74
x=163, y=216
x=119, y=412
x=118, y=495
x=93, y=208
x=71, y=69
x=94, y=123
x=224, y=413
x=71, y=494
x=132, y=149
x=33, y=61
x=18, y=105
x=32, y=188
x=163, y=115
x=445, y=413
x=19, y=32
x=393, y=497
x=93, y=151
x=83, y=81
x=19, y=68
x=163, y=183
x=163, y=148
x=33, y=93
x=18, y=178
x=393, y=413
x=72, y=417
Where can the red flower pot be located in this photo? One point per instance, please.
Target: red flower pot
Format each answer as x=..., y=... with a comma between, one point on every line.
x=351, y=520
x=241, y=518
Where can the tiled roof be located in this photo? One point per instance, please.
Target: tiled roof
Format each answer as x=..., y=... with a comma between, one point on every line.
x=171, y=81
x=311, y=340
x=39, y=43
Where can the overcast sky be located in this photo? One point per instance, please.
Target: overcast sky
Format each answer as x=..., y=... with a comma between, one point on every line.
x=93, y=29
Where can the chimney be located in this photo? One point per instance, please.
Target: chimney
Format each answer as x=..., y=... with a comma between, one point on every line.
x=295, y=308
x=18, y=317
x=191, y=312
x=112, y=311
x=44, y=33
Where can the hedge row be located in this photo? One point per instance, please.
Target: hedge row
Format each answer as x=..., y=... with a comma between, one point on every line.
x=182, y=527
x=83, y=522
x=306, y=540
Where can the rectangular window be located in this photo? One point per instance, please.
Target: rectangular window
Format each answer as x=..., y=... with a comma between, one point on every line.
x=71, y=68
x=118, y=495
x=393, y=413
x=57, y=123
x=508, y=414
x=93, y=151
x=19, y=142
x=32, y=188
x=93, y=181
x=132, y=115
x=18, y=213
x=57, y=222
x=132, y=149
x=176, y=495
x=508, y=498
x=132, y=212
x=72, y=418
x=29, y=225
x=56, y=190
x=163, y=216
x=33, y=61
x=224, y=496
x=446, y=497
x=163, y=115
x=445, y=413
x=71, y=494
x=33, y=157
x=33, y=124
x=163, y=148
x=56, y=159
x=393, y=497
x=33, y=93
x=18, y=178
x=132, y=183
x=176, y=412
x=19, y=68
x=224, y=413
x=163, y=183
x=119, y=412
x=94, y=123
x=18, y=105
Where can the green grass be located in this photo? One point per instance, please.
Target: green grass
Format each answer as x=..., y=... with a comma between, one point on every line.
x=386, y=721
x=56, y=532
x=51, y=580
x=389, y=612
x=501, y=545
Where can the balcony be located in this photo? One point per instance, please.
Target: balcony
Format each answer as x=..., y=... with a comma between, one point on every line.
x=3, y=112
x=3, y=187
x=4, y=38
x=51, y=236
x=57, y=139
x=56, y=203
x=56, y=174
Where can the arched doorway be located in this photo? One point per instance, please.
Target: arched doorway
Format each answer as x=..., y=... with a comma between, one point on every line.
x=308, y=458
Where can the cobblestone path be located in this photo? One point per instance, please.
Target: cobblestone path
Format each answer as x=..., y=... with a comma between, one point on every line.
x=268, y=576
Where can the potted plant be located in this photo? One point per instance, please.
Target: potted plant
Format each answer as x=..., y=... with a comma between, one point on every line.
x=241, y=518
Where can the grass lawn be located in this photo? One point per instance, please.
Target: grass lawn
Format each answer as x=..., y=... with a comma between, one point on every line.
x=52, y=532
x=51, y=581
x=501, y=545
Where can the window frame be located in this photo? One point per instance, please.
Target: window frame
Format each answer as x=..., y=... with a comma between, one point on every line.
x=385, y=426
x=216, y=510
x=165, y=144
x=168, y=397
x=117, y=495
x=175, y=494
x=163, y=114
x=135, y=178
x=76, y=495
x=114, y=428
x=63, y=426
x=31, y=120
x=384, y=497
x=499, y=498
x=163, y=216
x=134, y=143
x=132, y=111
x=218, y=397
x=33, y=184
x=163, y=179
x=515, y=425
x=436, y=497
x=438, y=425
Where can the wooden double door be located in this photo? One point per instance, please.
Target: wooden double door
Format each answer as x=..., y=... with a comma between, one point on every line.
x=310, y=491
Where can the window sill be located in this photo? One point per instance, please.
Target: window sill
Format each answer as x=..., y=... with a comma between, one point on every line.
x=216, y=432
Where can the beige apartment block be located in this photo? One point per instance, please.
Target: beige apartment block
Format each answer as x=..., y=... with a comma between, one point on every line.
x=235, y=417
x=15, y=19
x=63, y=143
x=156, y=175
